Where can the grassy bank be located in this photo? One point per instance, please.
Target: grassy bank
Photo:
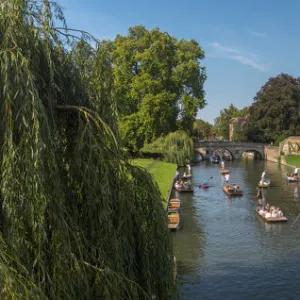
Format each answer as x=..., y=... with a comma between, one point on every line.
x=162, y=172
x=293, y=160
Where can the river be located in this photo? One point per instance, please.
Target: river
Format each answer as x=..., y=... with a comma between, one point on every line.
x=224, y=250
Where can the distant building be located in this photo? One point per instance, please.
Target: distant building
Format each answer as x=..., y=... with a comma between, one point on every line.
x=241, y=122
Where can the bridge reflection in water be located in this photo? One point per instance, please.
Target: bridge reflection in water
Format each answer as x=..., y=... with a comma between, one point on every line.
x=224, y=250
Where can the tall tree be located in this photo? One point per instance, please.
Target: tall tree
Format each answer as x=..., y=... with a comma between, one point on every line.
x=221, y=125
x=202, y=129
x=276, y=109
x=158, y=84
x=77, y=221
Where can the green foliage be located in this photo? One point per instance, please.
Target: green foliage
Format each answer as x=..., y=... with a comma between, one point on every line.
x=279, y=139
x=77, y=220
x=221, y=126
x=201, y=129
x=158, y=84
x=162, y=172
x=276, y=109
x=176, y=147
x=293, y=160
x=240, y=134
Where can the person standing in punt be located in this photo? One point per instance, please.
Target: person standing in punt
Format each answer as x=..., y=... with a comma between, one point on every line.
x=260, y=193
x=222, y=164
x=296, y=172
x=227, y=178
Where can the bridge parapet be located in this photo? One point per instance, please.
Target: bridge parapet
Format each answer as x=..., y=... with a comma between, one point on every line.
x=236, y=148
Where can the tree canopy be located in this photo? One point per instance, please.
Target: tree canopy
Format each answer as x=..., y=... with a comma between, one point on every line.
x=176, y=147
x=221, y=125
x=276, y=109
x=202, y=129
x=77, y=221
x=158, y=84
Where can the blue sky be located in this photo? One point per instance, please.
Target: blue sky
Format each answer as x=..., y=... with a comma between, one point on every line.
x=245, y=41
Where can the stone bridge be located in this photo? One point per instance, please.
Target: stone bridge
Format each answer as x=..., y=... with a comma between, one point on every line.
x=236, y=149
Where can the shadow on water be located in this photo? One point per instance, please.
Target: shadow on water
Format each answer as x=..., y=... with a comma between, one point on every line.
x=224, y=250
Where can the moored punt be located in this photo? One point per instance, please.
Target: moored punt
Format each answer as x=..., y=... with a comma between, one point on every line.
x=292, y=179
x=232, y=190
x=174, y=205
x=173, y=220
x=265, y=184
x=188, y=176
x=185, y=187
x=224, y=171
x=271, y=219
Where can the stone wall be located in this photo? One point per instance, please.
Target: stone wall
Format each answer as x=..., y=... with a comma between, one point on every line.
x=290, y=146
x=272, y=153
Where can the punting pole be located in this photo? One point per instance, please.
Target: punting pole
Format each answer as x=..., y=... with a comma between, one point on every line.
x=295, y=220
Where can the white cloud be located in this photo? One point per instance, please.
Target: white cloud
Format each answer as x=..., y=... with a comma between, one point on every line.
x=227, y=52
x=250, y=62
x=219, y=47
x=258, y=34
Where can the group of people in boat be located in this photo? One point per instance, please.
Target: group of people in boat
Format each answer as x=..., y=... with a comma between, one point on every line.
x=233, y=188
x=265, y=210
x=269, y=212
x=185, y=182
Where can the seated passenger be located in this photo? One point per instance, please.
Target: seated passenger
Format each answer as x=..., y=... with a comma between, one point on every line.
x=267, y=215
x=274, y=213
x=279, y=212
x=267, y=207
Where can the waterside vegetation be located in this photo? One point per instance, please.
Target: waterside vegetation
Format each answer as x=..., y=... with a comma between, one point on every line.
x=77, y=220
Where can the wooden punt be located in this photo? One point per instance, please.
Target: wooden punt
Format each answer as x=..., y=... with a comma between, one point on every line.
x=173, y=220
x=224, y=171
x=271, y=219
x=188, y=176
x=232, y=191
x=184, y=188
x=265, y=184
x=174, y=205
x=292, y=179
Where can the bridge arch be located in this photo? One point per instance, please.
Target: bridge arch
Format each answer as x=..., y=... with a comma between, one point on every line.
x=235, y=148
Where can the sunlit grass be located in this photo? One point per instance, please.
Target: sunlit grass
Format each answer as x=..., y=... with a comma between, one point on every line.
x=142, y=162
x=162, y=172
x=293, y=160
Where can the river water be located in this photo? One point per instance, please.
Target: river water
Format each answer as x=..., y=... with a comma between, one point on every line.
x=224, y=250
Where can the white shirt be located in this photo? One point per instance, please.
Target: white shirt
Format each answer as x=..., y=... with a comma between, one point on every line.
x=263, y=174
x=227, y=177
x=296, y=171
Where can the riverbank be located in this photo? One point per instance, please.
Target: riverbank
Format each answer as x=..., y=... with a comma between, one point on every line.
x=162, y=172
x=293, y=161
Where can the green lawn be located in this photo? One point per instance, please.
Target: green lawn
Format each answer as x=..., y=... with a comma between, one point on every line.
x=142, y=162
x=162, y=172
x=293, y=160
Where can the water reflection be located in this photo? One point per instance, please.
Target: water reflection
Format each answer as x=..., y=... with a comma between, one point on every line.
x=225, y=250
x=296, y=196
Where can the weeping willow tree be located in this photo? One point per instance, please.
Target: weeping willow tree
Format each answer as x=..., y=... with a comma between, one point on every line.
x=176, y=147
x=77, y=221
